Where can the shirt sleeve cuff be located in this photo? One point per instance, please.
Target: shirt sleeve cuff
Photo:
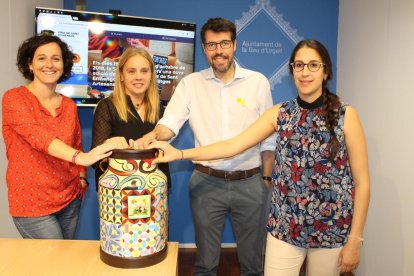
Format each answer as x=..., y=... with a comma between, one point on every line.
x=170, y=125
x=268, y=144
x=82, y=169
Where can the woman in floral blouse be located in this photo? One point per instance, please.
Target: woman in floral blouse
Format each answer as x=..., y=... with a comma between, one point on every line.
x=321, y=185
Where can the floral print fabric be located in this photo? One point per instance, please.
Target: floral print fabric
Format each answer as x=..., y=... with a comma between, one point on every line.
x=312, y=197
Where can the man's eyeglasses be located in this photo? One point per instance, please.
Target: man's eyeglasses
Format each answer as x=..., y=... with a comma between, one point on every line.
x=313, y=65
x=224, y=44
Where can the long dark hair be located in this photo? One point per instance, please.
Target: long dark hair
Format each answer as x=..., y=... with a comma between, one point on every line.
x=28, y=48
x=331, y=104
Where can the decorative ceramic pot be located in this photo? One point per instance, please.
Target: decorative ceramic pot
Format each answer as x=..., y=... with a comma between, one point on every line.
x=133, y=210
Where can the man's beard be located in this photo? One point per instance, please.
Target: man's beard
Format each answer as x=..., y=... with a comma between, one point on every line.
x=221, y=69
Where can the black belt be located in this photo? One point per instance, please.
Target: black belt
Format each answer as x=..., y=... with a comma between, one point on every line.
x=227, y=175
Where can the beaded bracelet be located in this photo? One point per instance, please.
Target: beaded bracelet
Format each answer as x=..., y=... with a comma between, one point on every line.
x=266, y=178
x=74, y=156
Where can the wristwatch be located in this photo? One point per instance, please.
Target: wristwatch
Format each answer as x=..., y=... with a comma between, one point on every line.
x=267, y=178
x=84, y=179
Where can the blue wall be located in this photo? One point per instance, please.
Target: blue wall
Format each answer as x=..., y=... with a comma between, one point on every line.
x=267, y=33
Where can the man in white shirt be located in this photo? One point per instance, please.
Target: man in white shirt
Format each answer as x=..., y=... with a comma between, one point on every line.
x=219, y=103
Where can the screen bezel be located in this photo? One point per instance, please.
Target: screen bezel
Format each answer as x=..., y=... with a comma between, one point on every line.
x=120, y=19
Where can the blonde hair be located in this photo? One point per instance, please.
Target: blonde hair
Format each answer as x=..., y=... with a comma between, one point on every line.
x=151, y=98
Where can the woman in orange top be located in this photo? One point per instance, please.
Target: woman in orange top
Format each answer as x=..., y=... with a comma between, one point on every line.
x=45, y=174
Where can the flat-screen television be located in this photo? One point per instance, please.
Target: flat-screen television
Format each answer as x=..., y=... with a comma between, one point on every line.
x=98, y=40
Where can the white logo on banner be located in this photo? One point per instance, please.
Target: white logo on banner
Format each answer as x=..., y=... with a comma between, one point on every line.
x=267, y=47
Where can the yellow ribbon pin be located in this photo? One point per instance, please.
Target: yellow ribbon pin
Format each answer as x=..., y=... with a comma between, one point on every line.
x=241, y=101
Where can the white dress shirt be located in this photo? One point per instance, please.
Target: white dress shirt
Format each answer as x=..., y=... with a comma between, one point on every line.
x=217, y=111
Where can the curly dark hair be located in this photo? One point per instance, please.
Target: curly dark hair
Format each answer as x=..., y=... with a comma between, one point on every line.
x=331, y=104
x=218, y=25
x=27, y=49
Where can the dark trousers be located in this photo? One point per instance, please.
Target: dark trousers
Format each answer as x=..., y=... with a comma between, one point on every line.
x=212, y=198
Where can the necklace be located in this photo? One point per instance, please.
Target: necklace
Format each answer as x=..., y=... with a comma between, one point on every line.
x=138, y=106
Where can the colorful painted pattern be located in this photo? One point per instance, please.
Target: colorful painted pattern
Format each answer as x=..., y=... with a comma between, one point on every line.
x=110, y=205
x=312, y=199
x=133, y=208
